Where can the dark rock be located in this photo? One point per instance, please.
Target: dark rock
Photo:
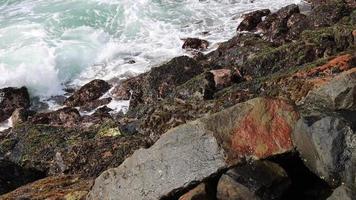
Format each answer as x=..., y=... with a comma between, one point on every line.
x=195, y=43
x=89, y=92
x=66, y=116
x=12, y=98
x=13, y=176
x=204, y=146
x=58, y=150
x=327, y=145
x=159, y=82
x=343, y=193
x=252, y=19
x=89, y=106
x=275, y=26
x=296, y=24
x=327, y=14
x=256, y=180
x=225, y=77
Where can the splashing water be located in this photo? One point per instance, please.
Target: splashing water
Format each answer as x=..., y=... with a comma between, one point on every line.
x=48, y=44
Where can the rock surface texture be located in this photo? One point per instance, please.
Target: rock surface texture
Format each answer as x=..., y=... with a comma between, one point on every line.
x=199, y=149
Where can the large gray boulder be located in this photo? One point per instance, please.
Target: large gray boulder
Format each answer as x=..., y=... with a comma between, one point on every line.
x=338, y=94
x=192, y=152
x=328, y=148
x=185, y=154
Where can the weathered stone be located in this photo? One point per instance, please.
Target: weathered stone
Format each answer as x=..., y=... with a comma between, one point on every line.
x=89, y=92
x=328, y=13
x=225, y=77
x=66, y=116
x=20, y=115
x=12, y=98
x=59, y=187
x=195, y=43
x=256, y=180
x=327, y=145
x=255, y=129
x=342, y=193
x=252, y=19
x=198, y=193
x=81, y=151
x=337, y=94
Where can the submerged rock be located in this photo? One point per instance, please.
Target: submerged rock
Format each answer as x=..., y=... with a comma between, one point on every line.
x=204, y=147
x=89, y=92
x=12, y=98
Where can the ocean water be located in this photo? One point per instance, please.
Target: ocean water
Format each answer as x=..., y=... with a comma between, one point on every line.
x=48, y=45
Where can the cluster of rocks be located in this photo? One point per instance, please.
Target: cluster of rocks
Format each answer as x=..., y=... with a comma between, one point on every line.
x=270, y=114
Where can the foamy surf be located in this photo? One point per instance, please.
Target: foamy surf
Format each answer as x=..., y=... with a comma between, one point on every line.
x=47, y=45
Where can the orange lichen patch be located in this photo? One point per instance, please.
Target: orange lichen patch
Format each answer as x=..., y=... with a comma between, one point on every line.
x=61, y=187
x=340, y=63
x=266, y=130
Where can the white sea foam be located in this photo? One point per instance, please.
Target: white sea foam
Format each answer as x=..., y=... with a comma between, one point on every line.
x=47, y=44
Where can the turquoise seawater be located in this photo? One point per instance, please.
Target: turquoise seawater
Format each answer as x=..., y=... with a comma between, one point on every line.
x=48, y=44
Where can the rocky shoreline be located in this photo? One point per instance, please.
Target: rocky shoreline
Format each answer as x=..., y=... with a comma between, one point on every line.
x=270, y=114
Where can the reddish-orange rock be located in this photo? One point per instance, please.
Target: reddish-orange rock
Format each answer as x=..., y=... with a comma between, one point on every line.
x=265, y=130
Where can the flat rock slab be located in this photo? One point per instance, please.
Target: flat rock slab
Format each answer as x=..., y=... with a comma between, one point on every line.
x=195, y=151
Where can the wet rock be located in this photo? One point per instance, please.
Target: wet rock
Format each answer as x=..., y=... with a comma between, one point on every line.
x=159, y=82
x=204, y=146
x=338, y=94
x=61, y=150
x=327, y=145
x=195, y=43
x=256, y=180
x=343, y=193
x=225, y=77
x=65, y=116
x=13, y=176
x=89, y=92
x=275, y=27
x=327, y=14
x=252, y=19
x=198, y=193
x=12, y=98
x=296, y=24
x=19, y=116
x=95, y=104
x=58, y=187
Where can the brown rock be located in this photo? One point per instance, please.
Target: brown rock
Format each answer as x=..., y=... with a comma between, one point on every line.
x=66, y=116
x=12, y=98
x=89, y=92
x=59, y=187
x=89, y=106
x=252, y=19
x=195, y=43
x=198, y=193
